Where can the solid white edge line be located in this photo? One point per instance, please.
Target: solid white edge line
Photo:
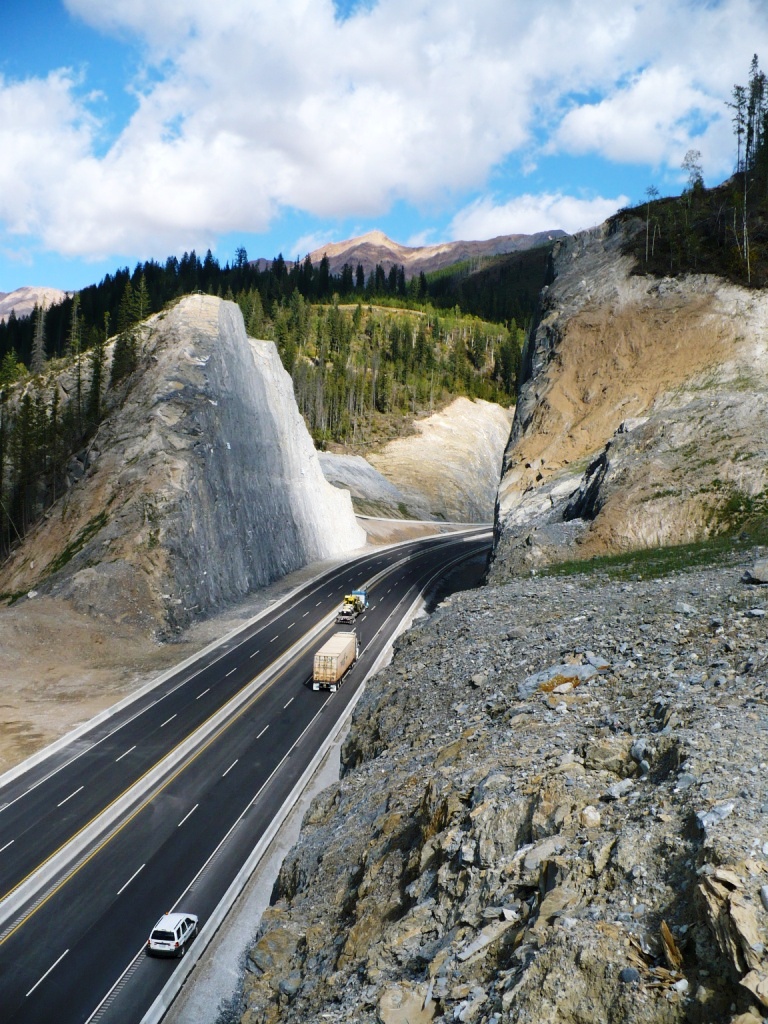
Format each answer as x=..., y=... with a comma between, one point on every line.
x=131, y=879
x=70, y=796
x=125, y=753
x=46, y=974
x=155, y=681
x=187, y=815
x=164, y=999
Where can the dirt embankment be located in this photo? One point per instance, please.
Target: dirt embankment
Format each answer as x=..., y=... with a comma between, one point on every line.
x=678, y=367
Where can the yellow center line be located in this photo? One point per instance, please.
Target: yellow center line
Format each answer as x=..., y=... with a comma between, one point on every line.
x=156, y=792
x=263, y=690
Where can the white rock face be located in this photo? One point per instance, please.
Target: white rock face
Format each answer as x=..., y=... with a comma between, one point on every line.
x=451, y=467
x=206, y=485
x=260, y=481
x=359, y=477
x=447, y=470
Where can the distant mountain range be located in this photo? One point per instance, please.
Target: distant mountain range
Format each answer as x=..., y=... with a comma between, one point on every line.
x=375, y=248
x=367, y=251
x=23, y=300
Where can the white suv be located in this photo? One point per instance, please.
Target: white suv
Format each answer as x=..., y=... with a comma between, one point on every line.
x=172, y=934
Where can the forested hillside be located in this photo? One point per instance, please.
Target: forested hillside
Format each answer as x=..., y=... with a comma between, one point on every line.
x=360, y=372
x=721, y=230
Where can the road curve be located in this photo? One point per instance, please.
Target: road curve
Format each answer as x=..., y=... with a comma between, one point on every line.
x=73, y=952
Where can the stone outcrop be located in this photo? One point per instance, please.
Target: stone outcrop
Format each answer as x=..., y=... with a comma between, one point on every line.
x=643, y=417
x=552, y=810
x=448, y=469
x=206, y=485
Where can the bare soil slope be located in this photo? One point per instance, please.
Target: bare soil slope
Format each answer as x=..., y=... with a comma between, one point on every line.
x=663, y=382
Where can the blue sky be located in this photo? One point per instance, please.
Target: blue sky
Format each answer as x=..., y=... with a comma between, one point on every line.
x=136, y=129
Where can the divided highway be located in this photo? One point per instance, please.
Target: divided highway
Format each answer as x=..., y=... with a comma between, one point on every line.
x=191, y=776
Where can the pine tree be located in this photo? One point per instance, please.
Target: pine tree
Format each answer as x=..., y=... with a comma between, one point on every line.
x=74, y=349
x=127, y=314
x=141, y=300
x=256, y=316
x=97, y=372
x=124, y=357
x=37, y=361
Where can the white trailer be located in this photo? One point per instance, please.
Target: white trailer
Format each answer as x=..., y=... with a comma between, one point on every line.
x=333, y=659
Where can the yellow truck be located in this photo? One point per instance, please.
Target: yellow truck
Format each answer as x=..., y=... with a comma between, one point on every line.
x=333, y=659
x=354, y=603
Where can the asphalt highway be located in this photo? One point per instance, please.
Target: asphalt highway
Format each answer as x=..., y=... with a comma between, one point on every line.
x=74, y=952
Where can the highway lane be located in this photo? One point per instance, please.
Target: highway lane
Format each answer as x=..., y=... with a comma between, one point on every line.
x=63, y=955
x=41, y=811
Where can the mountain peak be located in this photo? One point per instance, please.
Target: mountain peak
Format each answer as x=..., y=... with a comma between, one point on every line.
x=374, y=247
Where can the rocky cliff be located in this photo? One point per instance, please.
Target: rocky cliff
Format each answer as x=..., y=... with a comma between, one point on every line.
x=643, y=417
x=552, y=803
x=447, y=469
x=201, y=487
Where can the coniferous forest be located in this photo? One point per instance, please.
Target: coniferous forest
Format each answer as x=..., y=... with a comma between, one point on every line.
x=721, y=230
x=365, y=355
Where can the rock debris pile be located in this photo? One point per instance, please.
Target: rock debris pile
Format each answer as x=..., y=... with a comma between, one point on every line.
x=553, y=809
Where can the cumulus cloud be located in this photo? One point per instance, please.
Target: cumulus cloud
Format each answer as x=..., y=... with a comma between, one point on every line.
x=528, y=214
x=250, y=107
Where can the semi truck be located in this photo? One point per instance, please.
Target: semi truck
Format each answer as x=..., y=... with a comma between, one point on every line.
x=333, y=660
x=354, y=603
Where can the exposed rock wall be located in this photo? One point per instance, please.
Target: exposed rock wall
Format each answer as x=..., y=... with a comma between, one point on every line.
x=206, y=487
x=647, y=395
x=448, y=469
x=552, y=812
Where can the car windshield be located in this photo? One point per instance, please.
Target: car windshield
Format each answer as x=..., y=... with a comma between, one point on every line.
x=162, y=936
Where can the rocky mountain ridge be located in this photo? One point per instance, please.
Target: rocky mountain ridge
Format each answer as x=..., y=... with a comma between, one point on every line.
x=643, y=416
x=22, y=301
x=376, y=248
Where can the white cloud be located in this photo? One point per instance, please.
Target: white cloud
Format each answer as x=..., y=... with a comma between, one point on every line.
x=528, y=214
x=309, y=243
x=250, y=106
